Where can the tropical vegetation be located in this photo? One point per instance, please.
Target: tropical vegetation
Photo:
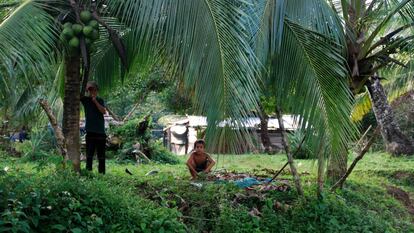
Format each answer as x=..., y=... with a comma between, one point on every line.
x=342, y=68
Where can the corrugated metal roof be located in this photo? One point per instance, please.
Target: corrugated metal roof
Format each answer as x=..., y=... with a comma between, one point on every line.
x=290, y=122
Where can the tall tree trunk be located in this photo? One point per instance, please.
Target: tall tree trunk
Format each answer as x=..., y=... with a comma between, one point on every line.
x=264, y=132
x=71, y=104
x=395, y=141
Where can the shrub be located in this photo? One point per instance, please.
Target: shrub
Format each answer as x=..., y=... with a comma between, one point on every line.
x=162, y=155
x=404, y=113
x=132, y=133
x=40, y=146
x=68, y=203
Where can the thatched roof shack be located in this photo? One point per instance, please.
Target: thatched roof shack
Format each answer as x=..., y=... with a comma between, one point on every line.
x=181, y=133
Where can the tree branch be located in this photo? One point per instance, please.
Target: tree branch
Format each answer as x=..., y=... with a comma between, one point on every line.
x=285, y=144
x=113, y=114
x=287, y=163
x=60, y=138
x=359, y=157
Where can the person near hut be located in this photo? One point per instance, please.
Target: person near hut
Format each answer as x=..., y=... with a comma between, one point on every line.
x=199, y=161
x=94, y=126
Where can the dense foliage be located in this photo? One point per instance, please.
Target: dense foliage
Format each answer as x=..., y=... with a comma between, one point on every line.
x=56, y=200
x=136, y=135
x=57, y=203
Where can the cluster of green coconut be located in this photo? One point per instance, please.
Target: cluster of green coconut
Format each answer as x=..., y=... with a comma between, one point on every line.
x=71, y=33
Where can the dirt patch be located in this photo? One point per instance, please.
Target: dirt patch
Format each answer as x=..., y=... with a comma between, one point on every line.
x=401, y=196
x=402, y=175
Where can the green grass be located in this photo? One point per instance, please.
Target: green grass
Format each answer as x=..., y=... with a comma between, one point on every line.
x=167, y=201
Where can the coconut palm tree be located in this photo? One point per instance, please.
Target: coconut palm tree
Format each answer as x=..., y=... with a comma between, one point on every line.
x=301, y=44
x=202, y=41
x=316, y=40
x=378, y=35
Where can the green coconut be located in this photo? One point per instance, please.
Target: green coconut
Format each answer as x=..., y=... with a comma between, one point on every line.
x=94, y=24
x=67, y=25
x=95, y=35
x=68, y=33
x=74, y=42
x=85, y=16
x=77, y=29
x=87, y=31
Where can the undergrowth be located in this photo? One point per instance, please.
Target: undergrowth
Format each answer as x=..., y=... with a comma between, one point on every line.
x=50, y=199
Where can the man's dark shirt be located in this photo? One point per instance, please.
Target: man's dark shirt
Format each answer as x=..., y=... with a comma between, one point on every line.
x=95, y=122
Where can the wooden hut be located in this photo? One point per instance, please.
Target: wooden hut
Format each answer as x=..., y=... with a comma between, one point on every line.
x=179, y=136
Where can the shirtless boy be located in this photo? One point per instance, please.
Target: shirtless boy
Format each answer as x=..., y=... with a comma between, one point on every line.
x=199, y=161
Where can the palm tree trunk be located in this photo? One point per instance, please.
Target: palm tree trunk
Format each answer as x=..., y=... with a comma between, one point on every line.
x=71, y=104
x=264, y=132
x=396, y=142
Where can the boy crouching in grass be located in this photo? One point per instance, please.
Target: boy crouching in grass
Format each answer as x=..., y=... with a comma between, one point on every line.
x=199, y=161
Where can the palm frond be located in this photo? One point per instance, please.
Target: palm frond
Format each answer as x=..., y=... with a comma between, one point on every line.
x=400, y=80
x=318, y=16
x=270, y=16
x=28, y=36
x=399, y=8
x=208, y=45
x=106, y=64
x=361, y=107
x=310, y=81
x=309, y=74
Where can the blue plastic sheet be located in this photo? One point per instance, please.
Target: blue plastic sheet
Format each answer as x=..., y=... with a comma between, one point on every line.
x=249, y=182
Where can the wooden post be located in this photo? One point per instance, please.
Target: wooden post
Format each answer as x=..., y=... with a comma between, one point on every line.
x=169, y=139
x=186, y=137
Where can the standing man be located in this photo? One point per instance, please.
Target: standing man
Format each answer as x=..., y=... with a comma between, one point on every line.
x=95, y=126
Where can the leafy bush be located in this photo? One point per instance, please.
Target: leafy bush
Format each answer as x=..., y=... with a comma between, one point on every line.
x=40, y=146
x=132, y=133
x=332, y=214
x=404, y=113
x=128, y=131
x=69, y=203
x=160, y=154
x=226, y=208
